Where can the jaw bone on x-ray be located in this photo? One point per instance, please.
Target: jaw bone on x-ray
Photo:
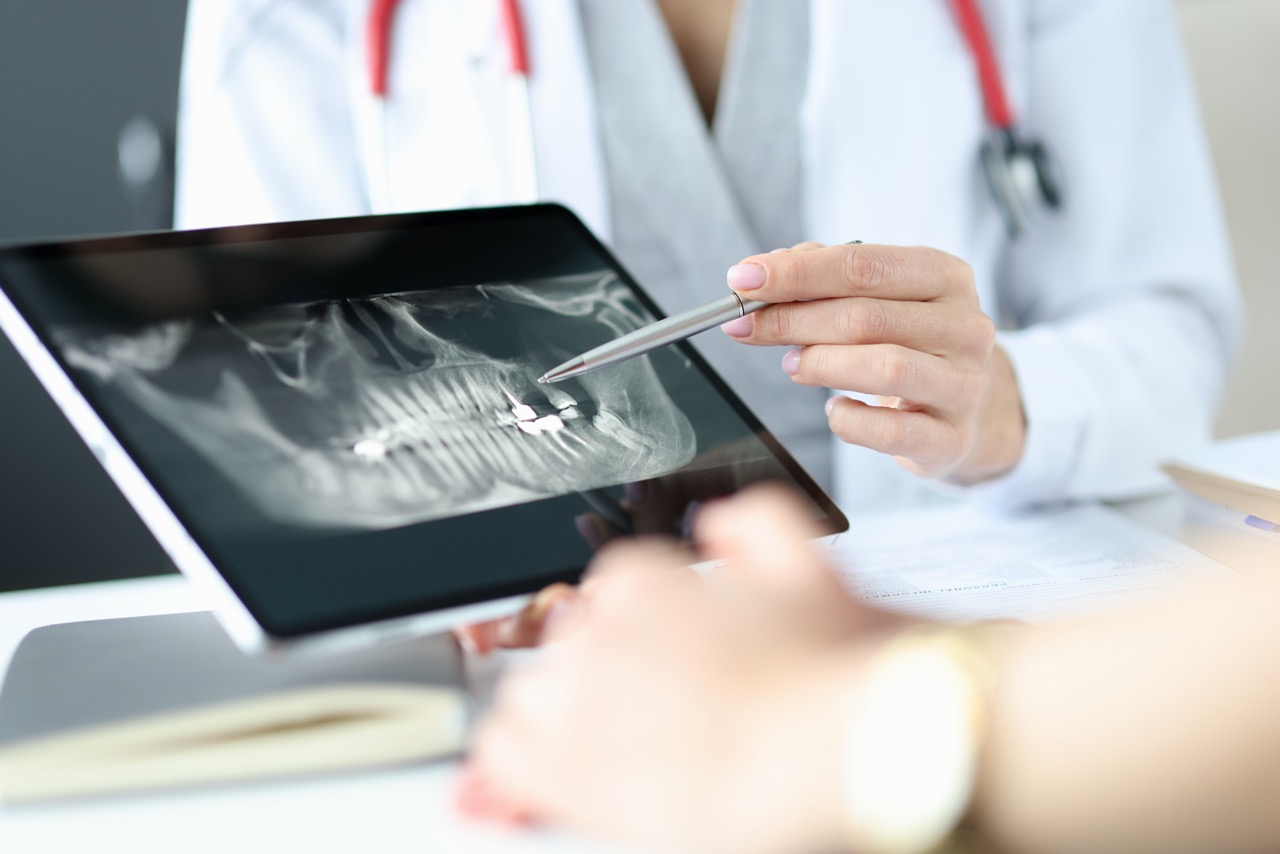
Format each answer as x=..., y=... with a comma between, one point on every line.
x=386, y=411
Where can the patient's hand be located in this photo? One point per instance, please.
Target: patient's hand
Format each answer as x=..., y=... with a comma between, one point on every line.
x=665, y=506
x=673, y=707
x=523, y=629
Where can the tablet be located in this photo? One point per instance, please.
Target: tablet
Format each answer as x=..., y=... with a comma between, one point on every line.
x=335, y=426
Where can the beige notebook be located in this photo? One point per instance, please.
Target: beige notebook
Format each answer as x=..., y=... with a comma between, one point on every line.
x=113, y=706
x=1242, y=473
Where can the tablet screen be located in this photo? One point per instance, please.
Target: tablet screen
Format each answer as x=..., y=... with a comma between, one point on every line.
x=345, y=416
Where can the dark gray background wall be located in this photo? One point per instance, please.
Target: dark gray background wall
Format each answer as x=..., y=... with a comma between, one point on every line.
x=72, y=74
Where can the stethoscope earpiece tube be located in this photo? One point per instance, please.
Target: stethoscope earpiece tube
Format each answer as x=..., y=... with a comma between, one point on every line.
x=378, y=31
x=378, y=44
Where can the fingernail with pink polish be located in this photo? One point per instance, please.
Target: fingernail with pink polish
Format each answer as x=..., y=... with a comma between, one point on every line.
x=746, y=277
x=831, y=404
x=739, y=327
x=791, y=361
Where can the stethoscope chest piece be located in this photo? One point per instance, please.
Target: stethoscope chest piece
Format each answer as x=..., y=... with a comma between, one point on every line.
x=1021, y=171
x=1022, y=175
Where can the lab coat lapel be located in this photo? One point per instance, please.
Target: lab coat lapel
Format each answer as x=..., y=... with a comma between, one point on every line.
x=659, y=149
x=679, y=222
x=756, y=127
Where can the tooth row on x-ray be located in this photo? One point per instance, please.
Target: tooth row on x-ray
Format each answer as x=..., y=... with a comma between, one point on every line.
x=391, y=410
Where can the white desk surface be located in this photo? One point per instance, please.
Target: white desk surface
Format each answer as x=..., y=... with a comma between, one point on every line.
x=404, y=809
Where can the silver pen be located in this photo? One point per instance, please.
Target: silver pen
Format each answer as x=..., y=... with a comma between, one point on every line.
x=655, y=335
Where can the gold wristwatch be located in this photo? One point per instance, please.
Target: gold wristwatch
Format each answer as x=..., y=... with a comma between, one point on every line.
x=917, y=724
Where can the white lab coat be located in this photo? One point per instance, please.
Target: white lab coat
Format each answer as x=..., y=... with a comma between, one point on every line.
x=1121, y=310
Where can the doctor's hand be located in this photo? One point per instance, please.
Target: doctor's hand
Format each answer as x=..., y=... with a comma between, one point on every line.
x=901, y=323
x=673, y=708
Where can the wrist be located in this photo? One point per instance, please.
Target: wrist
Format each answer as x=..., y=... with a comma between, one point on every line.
x=1002, y=427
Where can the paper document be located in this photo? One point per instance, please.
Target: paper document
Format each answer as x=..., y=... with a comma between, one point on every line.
x=961, y=563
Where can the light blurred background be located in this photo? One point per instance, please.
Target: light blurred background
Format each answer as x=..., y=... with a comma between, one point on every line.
x=88, y=92
x=1234, y=47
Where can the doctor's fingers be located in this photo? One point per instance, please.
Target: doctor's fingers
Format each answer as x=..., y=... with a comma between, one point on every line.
x=939, y=328
x=945, y=386
x=926, y=444
x=887, y=272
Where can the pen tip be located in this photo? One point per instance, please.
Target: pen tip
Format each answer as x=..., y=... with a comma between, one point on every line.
x=543, y=379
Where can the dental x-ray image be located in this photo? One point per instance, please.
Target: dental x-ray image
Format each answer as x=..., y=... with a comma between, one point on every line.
x=391, y=410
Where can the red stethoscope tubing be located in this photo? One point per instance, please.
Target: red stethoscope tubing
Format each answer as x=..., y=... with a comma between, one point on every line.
x=994, y=98
x=378, y=38
x=968, y=16
x=513, y=32
x=378, y=43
